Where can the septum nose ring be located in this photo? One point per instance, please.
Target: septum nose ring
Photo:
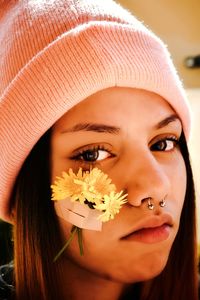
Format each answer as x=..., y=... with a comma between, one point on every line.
x=151, y=206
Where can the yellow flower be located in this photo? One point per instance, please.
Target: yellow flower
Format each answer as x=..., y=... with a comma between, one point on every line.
x=93, y=188
x=66, y=186
x=98, y=184
x=111, y=205
x=91, y=185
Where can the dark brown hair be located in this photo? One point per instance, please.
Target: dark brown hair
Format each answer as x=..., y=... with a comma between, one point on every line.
x=37, y=237
x=36, y=233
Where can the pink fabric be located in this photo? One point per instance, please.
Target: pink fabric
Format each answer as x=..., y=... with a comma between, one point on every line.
x=53, y=54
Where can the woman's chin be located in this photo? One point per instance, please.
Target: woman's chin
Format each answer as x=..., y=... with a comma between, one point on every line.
x=141, y=273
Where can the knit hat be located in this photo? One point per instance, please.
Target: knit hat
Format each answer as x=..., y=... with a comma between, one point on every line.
x=54, y=54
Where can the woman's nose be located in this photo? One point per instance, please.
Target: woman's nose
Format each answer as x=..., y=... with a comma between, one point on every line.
x=146, y=178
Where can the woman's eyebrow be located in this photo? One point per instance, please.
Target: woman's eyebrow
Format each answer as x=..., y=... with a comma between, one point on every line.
x=93, y=127
x=167, y=121
x=102, y=128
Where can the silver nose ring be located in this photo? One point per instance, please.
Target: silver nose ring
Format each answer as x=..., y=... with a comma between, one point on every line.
x=151, y=206
x=162, y=203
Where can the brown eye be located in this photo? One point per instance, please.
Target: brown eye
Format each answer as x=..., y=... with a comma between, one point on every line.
x=164, y=145
x=92, y=155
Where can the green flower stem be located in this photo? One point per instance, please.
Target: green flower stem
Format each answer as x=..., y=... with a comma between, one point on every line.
x=80, y=240
x=73, y=231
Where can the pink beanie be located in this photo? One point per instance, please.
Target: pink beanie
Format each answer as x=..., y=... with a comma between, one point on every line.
x=54, y=54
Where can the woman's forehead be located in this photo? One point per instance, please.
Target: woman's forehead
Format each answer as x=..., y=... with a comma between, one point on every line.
x=116, y=107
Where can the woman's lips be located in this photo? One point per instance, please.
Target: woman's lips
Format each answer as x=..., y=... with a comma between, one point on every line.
x=150, y=235
x=153, y=230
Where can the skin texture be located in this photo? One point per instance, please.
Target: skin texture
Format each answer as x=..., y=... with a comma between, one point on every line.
x=141, y=160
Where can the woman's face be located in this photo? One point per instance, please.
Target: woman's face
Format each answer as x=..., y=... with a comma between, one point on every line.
x=132, y=135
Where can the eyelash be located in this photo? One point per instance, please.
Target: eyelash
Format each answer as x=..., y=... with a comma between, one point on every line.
x=78, y=156
x=92, y=149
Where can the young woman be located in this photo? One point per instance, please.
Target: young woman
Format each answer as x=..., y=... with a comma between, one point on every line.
x=85, y=85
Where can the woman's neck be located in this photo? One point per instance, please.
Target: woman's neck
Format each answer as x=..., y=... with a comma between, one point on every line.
x=78, y=283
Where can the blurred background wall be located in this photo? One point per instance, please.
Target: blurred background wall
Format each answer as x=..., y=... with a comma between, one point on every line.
x=177, y=22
